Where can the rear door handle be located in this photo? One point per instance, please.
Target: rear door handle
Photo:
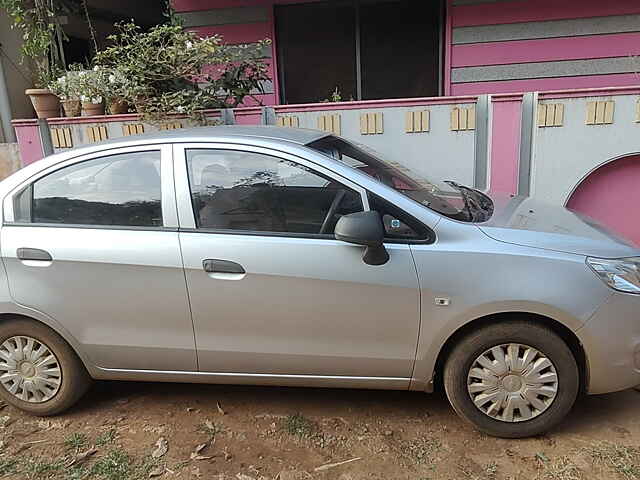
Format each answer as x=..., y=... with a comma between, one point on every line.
x=211, y=265
x=36, y=254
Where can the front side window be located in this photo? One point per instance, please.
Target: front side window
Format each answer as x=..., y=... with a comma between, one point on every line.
x=233, y=190
x=447, y=198
x=118, y=190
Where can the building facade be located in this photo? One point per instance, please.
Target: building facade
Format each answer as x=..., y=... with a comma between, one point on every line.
x=402, y=48
x=529, y=97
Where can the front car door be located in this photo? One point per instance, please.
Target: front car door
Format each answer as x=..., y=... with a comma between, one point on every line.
x=93, y=243
x=273, y=294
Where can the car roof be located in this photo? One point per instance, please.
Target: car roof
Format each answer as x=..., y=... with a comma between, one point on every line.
x=258, y=134
x=301, y=136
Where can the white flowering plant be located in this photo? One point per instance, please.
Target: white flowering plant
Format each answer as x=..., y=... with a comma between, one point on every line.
x=118, y=86
x=67, y=85
x=167, y=70
x=91, y=85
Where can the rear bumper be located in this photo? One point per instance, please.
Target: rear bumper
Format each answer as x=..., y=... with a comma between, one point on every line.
x=611, y=340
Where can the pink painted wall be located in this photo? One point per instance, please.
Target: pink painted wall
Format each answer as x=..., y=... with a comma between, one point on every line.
x=546, y=50
x=28, y=137
x=235, y=34
x=505, y=144
x=546, y=84
x=611, y=196
x=485, y=15
x=540, y=10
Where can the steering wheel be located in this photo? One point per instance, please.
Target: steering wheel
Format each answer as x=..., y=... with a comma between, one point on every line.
x=332, y=210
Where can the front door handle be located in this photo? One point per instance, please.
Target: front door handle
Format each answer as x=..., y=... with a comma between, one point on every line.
x=36, y=254
x=222, y=266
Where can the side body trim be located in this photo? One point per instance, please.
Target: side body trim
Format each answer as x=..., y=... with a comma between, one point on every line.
x=382, y=383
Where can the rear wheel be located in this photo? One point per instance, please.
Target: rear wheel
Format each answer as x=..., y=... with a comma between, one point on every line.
x=512, y=379
x=39, y=372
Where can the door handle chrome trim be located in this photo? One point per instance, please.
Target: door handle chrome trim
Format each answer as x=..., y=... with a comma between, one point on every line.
x=212, y=265
x=34, y=254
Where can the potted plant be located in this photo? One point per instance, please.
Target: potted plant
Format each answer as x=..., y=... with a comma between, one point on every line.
x=117, y=90
x=90, y=88
x=42, y=45
x=67, y=88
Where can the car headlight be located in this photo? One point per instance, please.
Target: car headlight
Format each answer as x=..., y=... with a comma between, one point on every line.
x=622, y=274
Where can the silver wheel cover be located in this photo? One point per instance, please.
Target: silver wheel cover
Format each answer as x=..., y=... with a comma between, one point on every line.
x=29, y=370
x=512, y=382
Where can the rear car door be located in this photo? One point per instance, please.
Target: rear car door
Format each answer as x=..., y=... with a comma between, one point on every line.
x=93, y=243
x=272, y=292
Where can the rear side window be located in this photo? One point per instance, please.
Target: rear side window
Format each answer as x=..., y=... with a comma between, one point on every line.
x=119, y=190
x=245, y=191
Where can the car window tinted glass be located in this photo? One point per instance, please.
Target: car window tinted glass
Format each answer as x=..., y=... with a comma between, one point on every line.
x=119, y=190
x=448, y=198
x=234, y=190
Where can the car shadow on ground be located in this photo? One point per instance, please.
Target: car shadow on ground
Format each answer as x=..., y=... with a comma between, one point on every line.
x=591, y=413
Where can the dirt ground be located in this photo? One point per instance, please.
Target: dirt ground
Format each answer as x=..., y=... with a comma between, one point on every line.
x=126, y=431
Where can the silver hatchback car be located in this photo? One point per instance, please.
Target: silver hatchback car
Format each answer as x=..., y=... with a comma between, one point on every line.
x=263, y=255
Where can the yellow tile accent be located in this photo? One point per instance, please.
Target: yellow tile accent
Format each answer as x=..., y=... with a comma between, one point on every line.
x=638, y=111
x=417, y=121
x=550, y=114
x=608, y=111
x=97, y=133
x=455, y=119
x=542, y=115
x=288, y=121
x=132, y=129
x=471, y=118
x=600, y=113
x=61, y=137
x=330, y=123
x=372, y=123
x=463, y=118
x=170, y=126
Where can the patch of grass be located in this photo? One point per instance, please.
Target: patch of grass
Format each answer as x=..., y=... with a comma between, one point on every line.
x=40, y=468
x=299, y=426
x=422, y=449
x=115, y=465
x=622, y=459
x=561, y=469
x=106, y=438
x=8, y=466
x=77, y=472
x=76, y=441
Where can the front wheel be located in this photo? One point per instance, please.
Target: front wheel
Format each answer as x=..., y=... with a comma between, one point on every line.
x=39, y=372
x=512, y=379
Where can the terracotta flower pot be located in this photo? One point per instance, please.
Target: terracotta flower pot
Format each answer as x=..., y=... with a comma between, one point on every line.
x=90, y=109
x=45, y=103
x=117, y=107
x=71, y=108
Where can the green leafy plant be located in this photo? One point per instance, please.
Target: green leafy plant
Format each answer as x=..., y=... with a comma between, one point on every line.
x=167, y=70
x=42, y=36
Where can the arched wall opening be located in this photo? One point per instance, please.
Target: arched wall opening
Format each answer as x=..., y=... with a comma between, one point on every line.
x=611, y=195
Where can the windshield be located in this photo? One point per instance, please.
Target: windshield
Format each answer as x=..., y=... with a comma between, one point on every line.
x=447, y=198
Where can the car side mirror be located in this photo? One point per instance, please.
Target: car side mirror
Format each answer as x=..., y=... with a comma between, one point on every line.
x=366, y=229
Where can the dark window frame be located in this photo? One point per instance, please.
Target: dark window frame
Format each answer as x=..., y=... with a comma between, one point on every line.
x=357, y=4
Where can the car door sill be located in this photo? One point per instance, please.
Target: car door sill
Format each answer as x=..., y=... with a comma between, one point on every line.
x=335, y=381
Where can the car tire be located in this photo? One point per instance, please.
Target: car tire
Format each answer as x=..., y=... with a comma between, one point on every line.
x=71, y=382
x=486, y=395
